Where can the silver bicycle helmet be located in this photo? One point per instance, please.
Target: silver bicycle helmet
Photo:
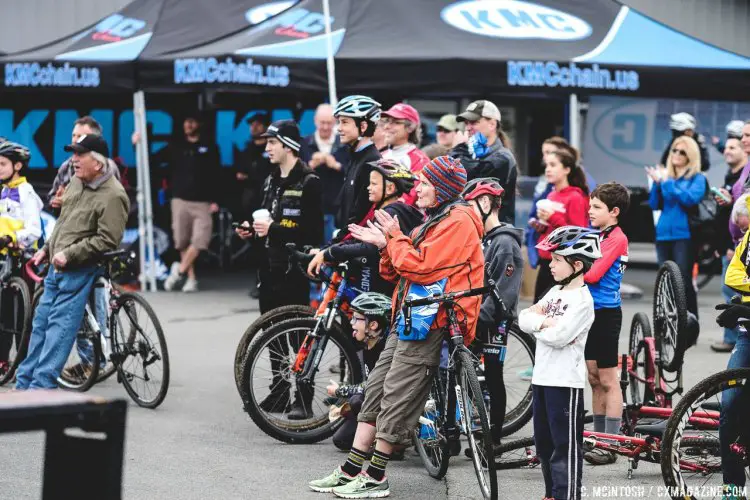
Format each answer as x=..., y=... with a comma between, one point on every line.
x=15, y=152
x=682, y=121
x=734, y=129
x=359, y=107
x=373, y=305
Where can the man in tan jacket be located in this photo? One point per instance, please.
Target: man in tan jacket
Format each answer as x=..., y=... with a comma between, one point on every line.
x=94, y=213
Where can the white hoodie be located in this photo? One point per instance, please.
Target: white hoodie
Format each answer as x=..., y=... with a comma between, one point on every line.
x=560, y=348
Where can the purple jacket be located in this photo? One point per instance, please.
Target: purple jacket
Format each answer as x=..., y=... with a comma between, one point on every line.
x=737, y=191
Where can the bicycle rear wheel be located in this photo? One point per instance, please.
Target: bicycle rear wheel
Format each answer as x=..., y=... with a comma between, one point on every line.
x=82, y=367
x=691, y=461
x=516, y=454
x=15, y=327
x=429, y=438
x=670, y=315
x=264, y=322
x=139, y=350
x=519, y=358
x=476, y=424
x=640, y=330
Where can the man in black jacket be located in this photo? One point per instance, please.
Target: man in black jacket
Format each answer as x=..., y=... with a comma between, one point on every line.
x=253, y=165
x=291, y=195
x=484, y=153
x=323, y=152
x=194, y=168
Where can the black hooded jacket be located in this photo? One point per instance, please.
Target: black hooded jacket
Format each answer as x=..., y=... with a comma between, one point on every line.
x=354, y=200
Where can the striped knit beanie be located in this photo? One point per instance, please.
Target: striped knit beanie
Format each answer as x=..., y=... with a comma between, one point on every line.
x=447, y=175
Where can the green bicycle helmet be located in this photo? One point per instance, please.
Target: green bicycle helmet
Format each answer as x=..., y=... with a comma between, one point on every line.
x=373, y=305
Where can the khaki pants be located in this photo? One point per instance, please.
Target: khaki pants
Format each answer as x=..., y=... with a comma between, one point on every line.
x=399, y=385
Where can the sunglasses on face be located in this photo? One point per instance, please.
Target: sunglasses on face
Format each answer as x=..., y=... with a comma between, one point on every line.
x=391, y=121
x=681, y=152
x=444, y=130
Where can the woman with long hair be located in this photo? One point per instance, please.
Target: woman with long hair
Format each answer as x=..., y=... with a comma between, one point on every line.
x=675, y=190
x=569, y=207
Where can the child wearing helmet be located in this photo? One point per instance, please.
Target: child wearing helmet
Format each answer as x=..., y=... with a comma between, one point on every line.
x=371, y=314
x=503, y=259
x=20, y=221
x=388, y=182
x=560, y=322
x=20, y=206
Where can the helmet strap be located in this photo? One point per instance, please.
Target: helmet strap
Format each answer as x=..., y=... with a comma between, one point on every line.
x=574, y=275
x=485, y=215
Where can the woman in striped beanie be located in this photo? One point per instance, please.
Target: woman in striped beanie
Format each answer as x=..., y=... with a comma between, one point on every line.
x=447, y=176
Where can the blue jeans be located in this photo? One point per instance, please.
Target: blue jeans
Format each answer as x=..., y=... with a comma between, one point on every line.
x=56, y=322
x=100, y=309
x=733, y=416
x=730, y=334
x=682, y=253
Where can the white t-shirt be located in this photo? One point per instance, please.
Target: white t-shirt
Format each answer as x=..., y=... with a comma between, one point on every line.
x=560, y=359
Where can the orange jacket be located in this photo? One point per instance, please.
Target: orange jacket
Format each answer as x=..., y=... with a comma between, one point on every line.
x=451, y=249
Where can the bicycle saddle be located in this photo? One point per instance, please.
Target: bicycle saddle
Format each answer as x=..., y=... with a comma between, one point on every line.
x=654, y=430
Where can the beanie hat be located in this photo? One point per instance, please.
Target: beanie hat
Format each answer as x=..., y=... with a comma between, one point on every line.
x=447, y=175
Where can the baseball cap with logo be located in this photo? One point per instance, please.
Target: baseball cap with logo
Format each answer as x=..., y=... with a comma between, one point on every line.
x=286, y=131
x=448, y=122
x=88, y=143
x=403, y=111
x=480, y=109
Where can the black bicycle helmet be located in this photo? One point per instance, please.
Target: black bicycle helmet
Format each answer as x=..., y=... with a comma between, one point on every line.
x=398, y=174
x=15, y=152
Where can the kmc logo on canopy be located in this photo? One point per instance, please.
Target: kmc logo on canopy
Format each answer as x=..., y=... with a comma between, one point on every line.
x=258, y=14
x=515, y=19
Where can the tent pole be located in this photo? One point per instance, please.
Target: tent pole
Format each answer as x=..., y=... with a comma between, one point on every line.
x=330, y=65
x=140, y=196
x=574, y=117
x=147, y=201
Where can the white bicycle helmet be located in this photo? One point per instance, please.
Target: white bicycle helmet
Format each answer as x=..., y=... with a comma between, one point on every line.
x=359, y=107
x=734, y=129
x=573, y=241
x=682, y=122
x=373, y=305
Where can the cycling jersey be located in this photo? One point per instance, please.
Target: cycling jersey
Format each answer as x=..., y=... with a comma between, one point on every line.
x=20, y=212
x=737, y=277
x=605, y=276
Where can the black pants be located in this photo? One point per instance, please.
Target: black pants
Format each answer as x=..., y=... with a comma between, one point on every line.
x=544, y=280
x=343, y=438
x=558, y=436
x=493, y=342
x=278, y=288
x=11, y=312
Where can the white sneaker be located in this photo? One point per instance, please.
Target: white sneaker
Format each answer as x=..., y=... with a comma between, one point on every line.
x=191, y=285
x=173, y=278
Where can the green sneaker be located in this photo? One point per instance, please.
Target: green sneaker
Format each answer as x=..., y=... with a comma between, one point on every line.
x=363, y=486
x=328, y=483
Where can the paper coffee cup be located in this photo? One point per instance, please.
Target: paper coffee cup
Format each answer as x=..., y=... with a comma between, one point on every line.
x=261, y=215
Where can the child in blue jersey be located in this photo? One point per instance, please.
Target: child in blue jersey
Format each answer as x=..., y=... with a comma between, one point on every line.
x=608, y=202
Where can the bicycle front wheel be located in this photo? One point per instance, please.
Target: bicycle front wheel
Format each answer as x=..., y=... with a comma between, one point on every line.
x=264, y=322
x=139, y=350
x=476, y=424
x=283, y=406
x=516, y=454
x=670, y=315
x=15, y=327
x=691, y=455
x=429, y=438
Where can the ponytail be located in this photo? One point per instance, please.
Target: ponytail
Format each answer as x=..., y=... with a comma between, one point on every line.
x=576, y=176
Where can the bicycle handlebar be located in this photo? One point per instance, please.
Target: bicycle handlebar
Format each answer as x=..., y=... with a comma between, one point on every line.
x=446, y=297
x=32, y=273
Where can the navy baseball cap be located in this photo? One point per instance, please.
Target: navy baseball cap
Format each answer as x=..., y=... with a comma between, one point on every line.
x=88, y=143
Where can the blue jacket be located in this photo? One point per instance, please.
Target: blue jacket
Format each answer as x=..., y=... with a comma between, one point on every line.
x=674, y=197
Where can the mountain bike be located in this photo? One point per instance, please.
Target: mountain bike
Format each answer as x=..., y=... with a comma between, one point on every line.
x=456, y=403
x=138, y=347
x=283, y=361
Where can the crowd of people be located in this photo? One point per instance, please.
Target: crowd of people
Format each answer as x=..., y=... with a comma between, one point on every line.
x=361, y=190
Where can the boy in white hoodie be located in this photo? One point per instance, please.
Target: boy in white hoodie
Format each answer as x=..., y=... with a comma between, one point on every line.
x=560, y=321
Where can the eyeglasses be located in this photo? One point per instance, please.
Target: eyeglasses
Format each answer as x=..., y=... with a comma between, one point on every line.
x=679, y=152
x=355, y=320
x=444, y=130
x=391, y=121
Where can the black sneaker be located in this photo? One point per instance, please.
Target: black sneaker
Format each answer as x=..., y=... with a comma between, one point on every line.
x=278, y=400
x=302, y=405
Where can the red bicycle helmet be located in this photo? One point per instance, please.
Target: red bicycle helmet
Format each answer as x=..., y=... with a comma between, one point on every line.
x=483, y=185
